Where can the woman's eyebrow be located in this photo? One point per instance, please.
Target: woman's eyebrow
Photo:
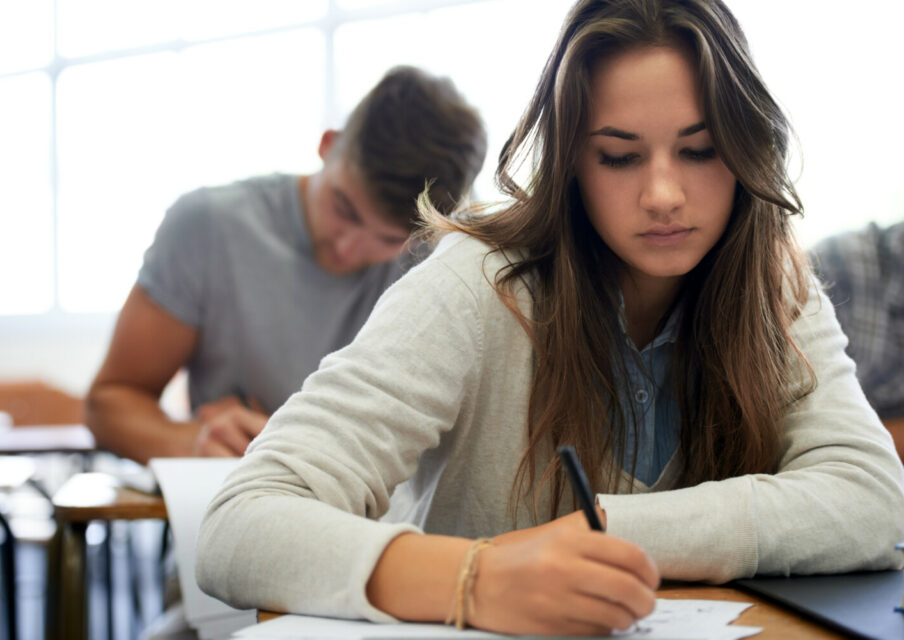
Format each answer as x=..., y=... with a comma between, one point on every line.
x=691, y=130
x=613, y=132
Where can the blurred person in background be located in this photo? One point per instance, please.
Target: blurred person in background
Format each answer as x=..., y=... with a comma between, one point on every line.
x=864, y=274
x=250, y=284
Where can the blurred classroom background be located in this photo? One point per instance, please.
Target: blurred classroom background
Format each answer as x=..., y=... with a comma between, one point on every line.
x=109, y=109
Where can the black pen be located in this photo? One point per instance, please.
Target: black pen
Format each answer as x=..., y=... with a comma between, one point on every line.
x=249, y=402
x=580, y=486
x=239, y=393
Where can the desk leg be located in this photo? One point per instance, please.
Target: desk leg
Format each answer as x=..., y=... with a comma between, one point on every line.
x=73, y=610
x=9, y=577
x=108, y=574
x=53, y=597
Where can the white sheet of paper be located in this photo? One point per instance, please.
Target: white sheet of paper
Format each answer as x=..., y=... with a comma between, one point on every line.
x=224, y=626
x=671, y=620
x=188, y=486
x=291, y=627
x=687, y=619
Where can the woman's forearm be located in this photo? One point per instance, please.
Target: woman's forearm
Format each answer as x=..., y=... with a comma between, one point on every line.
x=559, y=578
x=415, y=577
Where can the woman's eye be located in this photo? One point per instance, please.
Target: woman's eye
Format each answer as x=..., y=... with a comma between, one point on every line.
x=342, y=212
x=699, y=155
x=617, y=162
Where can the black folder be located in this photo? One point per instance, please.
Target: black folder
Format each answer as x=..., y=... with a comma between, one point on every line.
x=863, y=604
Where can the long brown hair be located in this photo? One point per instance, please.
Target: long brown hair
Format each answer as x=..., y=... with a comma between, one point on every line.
x=736, y=365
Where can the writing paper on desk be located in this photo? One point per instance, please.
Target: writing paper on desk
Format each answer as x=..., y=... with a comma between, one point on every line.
x=671, y=620
x=188, y=485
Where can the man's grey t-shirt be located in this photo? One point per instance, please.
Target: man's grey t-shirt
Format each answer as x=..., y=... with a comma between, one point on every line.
x=236, y=262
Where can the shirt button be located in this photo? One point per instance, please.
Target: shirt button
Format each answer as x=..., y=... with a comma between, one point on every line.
x=641, y=395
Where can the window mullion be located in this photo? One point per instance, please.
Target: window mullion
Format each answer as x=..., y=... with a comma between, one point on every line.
x=331, y=100
x=54, y=72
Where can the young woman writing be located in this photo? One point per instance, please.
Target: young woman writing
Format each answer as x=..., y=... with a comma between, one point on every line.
x=641, y=298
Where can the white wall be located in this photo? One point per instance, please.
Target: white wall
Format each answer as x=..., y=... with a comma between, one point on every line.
x=64, y=351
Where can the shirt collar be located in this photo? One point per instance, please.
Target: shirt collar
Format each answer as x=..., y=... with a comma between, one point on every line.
x=669, y=333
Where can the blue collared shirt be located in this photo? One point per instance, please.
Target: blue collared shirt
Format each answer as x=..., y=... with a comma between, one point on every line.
x=649, y=391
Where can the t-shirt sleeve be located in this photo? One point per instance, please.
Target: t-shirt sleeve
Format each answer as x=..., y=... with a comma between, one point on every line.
x=174, y=272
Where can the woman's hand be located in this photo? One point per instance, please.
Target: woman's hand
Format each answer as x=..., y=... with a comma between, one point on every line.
x=562, y=579
x=559, y=578
x=575, y=520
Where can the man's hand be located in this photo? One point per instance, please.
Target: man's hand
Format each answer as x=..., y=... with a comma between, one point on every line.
x=227, y=427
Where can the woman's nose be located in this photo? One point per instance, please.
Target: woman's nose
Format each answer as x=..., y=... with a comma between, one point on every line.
x=663, y=191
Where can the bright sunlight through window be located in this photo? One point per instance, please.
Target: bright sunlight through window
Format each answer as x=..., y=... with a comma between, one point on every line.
x=106, y=121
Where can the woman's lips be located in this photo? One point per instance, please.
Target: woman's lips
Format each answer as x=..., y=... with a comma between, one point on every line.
x=666, y=236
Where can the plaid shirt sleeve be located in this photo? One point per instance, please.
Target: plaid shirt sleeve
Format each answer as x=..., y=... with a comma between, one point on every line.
x=863, y=272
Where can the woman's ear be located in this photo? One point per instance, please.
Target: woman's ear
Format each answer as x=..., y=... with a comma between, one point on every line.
x=327, y=140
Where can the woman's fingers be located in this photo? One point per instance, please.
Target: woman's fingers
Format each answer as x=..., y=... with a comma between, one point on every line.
x=565, y=581
x=615, y=586
x=620, y=553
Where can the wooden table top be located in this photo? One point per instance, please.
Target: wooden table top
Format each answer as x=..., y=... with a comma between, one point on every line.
x=100, y=496
x=777, y=622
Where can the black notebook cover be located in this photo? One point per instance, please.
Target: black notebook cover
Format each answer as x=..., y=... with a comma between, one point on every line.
x=862, y=604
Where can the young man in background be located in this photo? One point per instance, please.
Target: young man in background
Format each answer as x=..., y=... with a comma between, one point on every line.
x=249, y=285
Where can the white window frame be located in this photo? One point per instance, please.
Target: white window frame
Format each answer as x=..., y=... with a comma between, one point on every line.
x=59, y=322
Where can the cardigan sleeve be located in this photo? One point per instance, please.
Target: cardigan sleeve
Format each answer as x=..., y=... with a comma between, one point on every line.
x=836, y=503
x=294, y=527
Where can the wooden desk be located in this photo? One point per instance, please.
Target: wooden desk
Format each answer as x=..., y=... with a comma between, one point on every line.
x=83, y=498
x=777, y=622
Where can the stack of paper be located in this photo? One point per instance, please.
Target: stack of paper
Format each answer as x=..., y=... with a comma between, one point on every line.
x=672, y=619
x=188, y=486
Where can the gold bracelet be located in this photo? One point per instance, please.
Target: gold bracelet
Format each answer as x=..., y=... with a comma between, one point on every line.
x=464, y=589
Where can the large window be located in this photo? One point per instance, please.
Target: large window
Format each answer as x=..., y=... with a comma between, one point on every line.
x=111, y=108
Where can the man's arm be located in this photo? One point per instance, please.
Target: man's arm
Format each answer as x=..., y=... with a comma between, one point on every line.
x=122, y=406
x=895, y=427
